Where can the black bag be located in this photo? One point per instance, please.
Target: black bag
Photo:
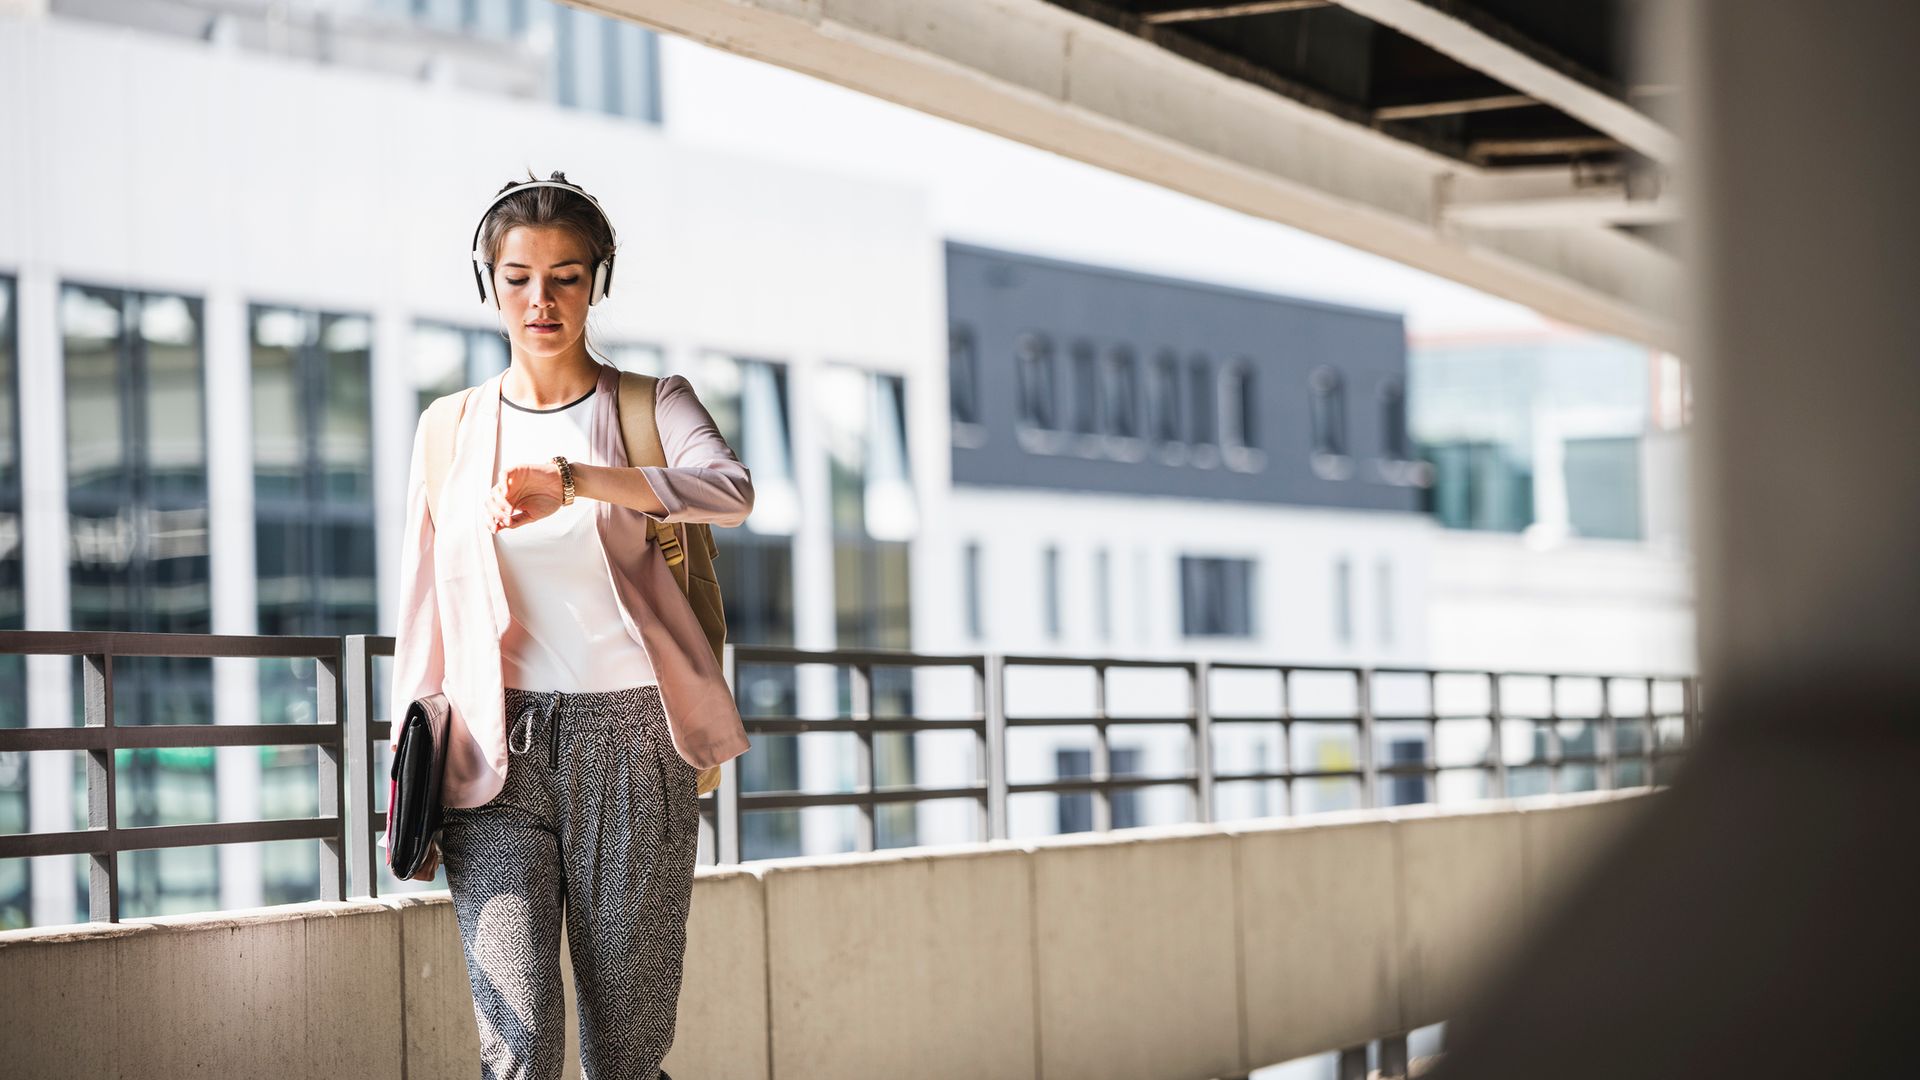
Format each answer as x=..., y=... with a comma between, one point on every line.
x=413, y=794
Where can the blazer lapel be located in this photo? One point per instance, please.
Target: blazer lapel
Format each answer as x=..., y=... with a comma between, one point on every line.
x=471, y=477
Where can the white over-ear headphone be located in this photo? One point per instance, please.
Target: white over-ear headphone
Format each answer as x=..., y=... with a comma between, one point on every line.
x=483, y=270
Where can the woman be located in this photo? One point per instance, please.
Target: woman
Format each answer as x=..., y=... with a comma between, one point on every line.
x=584, y=696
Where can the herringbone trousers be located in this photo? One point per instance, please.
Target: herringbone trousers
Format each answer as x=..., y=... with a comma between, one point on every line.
x=599, y=818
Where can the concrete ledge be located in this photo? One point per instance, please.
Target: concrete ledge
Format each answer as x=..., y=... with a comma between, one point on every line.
x=1180, y=950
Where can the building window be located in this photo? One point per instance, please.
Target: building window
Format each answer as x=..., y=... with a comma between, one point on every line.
x=749, y=402
x=1166, y=397
x=1343, y=600
x=642, y=359
x=871, y=478
x=1202, y=400
x=963, y=375
x=1327, y=407
x=1103, y=594
x=1039, y=392
x=1602, y=475
x=1121, y=393
x=444, y=359
x=1086, y=394
x=1074, y=811
x=314, y=559
x=135, y=386
x=1216, y=597
x=1383, y=587
x=1242, y=406
x=1481, y=485
x=1328, y=402
x=1393, y=421
x=971, y=583
x=1050, y=589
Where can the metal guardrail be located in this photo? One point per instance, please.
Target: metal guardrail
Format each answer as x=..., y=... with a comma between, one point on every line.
x=347, y=820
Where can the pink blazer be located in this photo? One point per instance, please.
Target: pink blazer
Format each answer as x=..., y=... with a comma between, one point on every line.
x=453, y=609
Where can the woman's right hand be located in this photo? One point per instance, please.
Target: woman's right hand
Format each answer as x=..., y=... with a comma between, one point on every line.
x=428, y=866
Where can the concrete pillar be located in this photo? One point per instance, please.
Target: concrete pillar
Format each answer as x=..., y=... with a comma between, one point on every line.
x=1807, y=339
x=1760, y=922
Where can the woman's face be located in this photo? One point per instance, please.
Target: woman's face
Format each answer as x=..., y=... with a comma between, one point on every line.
x=542, y=276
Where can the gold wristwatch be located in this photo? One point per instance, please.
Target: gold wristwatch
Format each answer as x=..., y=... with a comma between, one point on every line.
x=566, y=480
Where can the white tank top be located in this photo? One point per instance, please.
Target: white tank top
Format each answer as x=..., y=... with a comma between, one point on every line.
x=566, y=632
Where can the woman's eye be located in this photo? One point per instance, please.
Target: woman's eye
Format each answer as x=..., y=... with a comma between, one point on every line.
x=523, y=281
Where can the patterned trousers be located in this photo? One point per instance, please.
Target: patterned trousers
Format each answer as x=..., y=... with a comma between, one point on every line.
x=599, y=815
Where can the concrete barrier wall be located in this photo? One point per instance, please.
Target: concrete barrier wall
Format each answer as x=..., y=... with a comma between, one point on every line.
x=1187, y=951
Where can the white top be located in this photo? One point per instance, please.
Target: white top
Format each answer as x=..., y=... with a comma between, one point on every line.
x=566, y=633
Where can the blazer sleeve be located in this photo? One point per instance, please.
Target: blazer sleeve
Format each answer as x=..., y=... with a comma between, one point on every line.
x=702, y=481
x=419, y=654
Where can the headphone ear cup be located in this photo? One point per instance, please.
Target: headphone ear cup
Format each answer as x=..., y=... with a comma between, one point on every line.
x=602, y=280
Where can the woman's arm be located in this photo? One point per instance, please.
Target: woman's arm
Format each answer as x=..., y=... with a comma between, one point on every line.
x=419, y=653
x=702, y=480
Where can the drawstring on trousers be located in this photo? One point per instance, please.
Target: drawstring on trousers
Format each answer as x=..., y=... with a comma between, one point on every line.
x=547, y=702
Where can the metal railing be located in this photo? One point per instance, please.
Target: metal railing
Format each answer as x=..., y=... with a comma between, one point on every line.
x=349, y=817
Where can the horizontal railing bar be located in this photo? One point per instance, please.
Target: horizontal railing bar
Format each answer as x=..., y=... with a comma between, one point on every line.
x=1077, y=720
x=126, y=643
x=785, y=725
x=1481, y=673
x=796, y=800
x=167, y=736
x=152, y=837
x=766, y=654
x=1079, y=785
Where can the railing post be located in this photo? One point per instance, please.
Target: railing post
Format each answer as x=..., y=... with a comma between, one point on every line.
x=993, y=756
x=726, y=808
x=1353, y=1063
x=860, y=693
x=1556, y=750
x=363, y=869
x=1102, y=758
x=1286, y=740
x=103, y=867
x=1369, y=757
x=331, y=794
x=1202, y=743
x=1393, y=1057
x=1496, y=717
x=1650, y=738
x=1610, y=763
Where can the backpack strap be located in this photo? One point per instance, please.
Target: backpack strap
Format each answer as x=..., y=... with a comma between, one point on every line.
x=442, y=420
x=642, y=437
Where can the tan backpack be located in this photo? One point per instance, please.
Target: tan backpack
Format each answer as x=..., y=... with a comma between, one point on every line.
x=688, y=546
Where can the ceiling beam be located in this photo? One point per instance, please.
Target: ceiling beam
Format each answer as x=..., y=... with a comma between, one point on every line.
x=1074, y=85
x=1420, y=110
x=1231, y=11
x=1475, y=39
x=1551, y=197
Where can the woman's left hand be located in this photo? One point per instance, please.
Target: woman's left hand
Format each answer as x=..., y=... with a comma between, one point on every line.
x=525, y=493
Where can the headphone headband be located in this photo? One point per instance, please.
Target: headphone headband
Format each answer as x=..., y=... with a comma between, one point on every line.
x=602, y=273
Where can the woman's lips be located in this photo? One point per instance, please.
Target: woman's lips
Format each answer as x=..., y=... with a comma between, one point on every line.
x=543, y=328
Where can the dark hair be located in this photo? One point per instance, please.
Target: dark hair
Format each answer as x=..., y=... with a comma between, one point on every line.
x=546, y=206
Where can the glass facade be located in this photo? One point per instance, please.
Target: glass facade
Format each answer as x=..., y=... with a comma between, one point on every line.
x=748, y=400
x=592, y=62
x=1504, y=422
x=314, y=538
x=14, y=790
x=874, y=517
x=137, y=516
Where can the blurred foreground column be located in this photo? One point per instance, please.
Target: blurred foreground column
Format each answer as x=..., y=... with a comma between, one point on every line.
x=1763, y=921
